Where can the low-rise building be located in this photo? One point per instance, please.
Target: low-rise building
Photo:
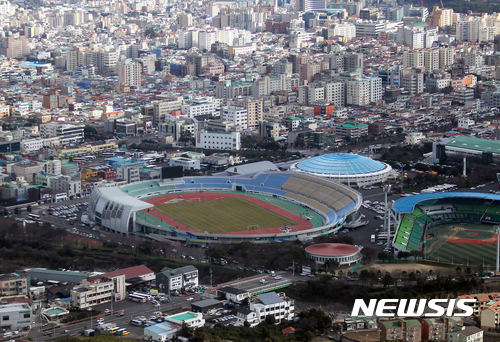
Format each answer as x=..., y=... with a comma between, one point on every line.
x=414, y=138
x=233, y=294
x=169, y=279
x=16, y=316
x=273, y=304
x=218, y=140
x=161, y=332
x=466, y=334
x=98, y=290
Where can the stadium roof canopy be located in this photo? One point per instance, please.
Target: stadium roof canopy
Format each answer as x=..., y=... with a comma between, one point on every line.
x=407, y=204
x=252, y=168
x=472, y=143
x=341, y=164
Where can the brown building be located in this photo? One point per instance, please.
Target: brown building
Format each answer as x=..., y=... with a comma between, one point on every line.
x=14, y=284
x=14, y=47
x=407, y=330
x=369, y=14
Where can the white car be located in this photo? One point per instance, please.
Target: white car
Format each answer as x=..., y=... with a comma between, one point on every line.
x=190, y=299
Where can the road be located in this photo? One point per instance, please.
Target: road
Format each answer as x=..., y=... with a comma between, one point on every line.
x=133, y=309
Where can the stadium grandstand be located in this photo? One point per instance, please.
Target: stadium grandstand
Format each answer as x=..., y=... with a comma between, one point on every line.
x=128, y=209
x=416, y=214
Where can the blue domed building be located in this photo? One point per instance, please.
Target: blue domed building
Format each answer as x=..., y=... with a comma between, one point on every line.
x=348, y=168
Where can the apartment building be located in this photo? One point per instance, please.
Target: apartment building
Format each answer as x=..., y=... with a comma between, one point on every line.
x=129, y=72
x=235, y=115
x=254, y=108
x=71, y=186
x=352, y=130
x=358, y=92
x=67, y=133
x=407, y=330
x=98, y=290
x=164, y=107
x=436, y=329
x=14, y=284
x=199, y=107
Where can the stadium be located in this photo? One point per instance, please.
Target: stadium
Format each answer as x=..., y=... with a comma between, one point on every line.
x=347, y=168
x=270, y=206
x=448, y=227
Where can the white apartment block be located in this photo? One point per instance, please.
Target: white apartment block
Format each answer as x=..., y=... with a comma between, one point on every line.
x=375, y=89
x=236, y=115
x=207, y=37
x=66, y=132
x=188, y=38
x=219, y=140
x=199, y=107
x=468, y=29
x=98, y=290
x=358, y=92
x=5, y=7
x=437, y=83
x=335, y=93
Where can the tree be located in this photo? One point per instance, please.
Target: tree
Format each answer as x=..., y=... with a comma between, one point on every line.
x=369, y=252
x=150, y=32
x=412, y=276
x=404, y=255
x=270, y=320
x=364, y=275
x=387, y=279
x=383, y=255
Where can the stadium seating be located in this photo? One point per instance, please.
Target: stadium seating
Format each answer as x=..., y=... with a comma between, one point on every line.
x=332, y=199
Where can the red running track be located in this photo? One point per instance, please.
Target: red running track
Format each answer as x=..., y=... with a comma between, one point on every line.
x=303, y=224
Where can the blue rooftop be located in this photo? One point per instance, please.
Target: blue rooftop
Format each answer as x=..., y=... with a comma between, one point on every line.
x=341, y=164
x=407, y=204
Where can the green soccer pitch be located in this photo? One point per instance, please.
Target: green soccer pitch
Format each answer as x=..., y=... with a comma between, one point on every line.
x=223, y=215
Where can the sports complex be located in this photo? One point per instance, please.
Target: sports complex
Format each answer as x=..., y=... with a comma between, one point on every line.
x=268, y=206
x=453, y=227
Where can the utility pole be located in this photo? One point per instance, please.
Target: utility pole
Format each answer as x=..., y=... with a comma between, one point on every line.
x=293, y=268
x=210, y=278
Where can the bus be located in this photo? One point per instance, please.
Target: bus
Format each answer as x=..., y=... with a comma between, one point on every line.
x=136, y=298
x=143, y=295
x=108, y=154
x=34, y=217
x=79, y=159
x=136, y=322
x=89, y=158
x=113, y=331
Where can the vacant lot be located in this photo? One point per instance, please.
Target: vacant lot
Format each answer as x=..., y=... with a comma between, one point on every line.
x=223, y=215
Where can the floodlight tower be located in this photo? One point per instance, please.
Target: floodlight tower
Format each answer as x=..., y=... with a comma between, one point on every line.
x=387, y=189
x=497, y=230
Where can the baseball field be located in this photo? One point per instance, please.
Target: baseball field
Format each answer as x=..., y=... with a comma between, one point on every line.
x=461, y=243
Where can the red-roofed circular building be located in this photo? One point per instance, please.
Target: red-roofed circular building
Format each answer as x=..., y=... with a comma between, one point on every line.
x=342, y=253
